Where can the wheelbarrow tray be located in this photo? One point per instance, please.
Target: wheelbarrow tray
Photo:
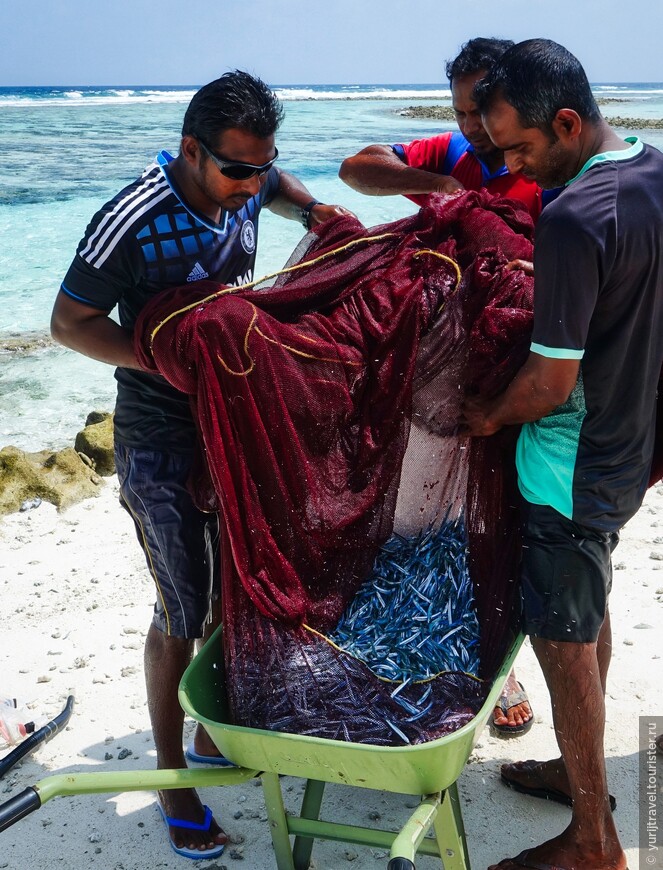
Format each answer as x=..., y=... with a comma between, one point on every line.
x=429, y=770
x=418, y=770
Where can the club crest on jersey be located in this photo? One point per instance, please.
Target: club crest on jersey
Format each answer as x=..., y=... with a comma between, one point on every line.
x=248, y=237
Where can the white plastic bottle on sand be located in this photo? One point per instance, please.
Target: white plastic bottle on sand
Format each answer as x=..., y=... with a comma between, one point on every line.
x=15, y=722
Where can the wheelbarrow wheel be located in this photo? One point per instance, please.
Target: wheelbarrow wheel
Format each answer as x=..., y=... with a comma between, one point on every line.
x=400, y=864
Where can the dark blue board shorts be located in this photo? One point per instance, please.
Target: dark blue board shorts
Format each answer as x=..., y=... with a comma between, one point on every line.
x=566, y=576
x=180, y=542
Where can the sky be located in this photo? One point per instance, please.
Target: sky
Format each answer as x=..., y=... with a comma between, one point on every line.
x=189, y=42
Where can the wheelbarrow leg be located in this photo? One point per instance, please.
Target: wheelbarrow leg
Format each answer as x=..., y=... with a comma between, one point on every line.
x=405, y=845
x=311, y=803
x=278, y=824
x=450, y=832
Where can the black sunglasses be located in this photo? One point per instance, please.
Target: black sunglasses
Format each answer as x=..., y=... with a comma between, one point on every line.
x=235, y=170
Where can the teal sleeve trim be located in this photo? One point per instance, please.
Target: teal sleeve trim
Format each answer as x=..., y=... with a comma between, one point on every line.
x=625, y=154
x=556, y=352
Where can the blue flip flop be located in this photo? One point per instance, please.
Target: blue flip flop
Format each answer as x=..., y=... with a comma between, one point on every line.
x=194, y=854
x=191, y=755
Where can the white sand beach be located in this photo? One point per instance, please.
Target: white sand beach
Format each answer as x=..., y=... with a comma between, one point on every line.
x=76, y=607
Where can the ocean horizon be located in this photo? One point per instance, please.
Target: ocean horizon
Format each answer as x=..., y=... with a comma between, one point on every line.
x=73, y=94
x=68, y=149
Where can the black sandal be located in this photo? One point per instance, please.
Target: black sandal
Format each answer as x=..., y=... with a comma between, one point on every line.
x=505, y=703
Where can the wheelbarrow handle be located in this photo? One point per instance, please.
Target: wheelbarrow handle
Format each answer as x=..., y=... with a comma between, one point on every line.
x=18, y=807
x=400, y=864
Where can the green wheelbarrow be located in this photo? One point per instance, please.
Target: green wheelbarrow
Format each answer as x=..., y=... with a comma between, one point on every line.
x=429, y=770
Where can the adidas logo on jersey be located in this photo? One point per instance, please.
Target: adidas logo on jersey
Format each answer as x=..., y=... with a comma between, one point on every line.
x=197, y=273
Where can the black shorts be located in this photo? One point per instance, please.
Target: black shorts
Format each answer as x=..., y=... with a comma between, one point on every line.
x=566, y=576
x=180, y=542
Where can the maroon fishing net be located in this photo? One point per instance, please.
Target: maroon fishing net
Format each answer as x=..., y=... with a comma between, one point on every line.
x=328, y=402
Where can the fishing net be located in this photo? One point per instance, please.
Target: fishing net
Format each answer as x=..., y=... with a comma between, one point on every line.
x=369, y=547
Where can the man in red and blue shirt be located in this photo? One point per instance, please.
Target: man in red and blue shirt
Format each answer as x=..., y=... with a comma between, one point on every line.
x=465, y=160
x=453, y=155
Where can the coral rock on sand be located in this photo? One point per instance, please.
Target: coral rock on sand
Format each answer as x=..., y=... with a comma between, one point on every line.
x=60, y=477
x=96, y=442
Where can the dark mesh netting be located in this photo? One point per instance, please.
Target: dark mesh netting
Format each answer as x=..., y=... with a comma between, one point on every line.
x=369, y=548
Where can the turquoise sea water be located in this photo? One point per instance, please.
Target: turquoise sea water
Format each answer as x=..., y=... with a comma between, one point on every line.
x=65, y=151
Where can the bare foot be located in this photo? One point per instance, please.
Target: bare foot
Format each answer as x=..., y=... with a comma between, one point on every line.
x=516, y=715
x=203, y=743
x=570, y=852
x=525, y=265
x=184, y=804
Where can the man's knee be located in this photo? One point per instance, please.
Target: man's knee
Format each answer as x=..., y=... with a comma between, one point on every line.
x=167, y=646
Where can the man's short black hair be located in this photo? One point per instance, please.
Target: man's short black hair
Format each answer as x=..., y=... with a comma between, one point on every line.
x=237, y=100
x=538, y=77
x=476, y=56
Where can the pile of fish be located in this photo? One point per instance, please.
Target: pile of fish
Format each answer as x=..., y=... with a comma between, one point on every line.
x=402, y=663
x=415, y=617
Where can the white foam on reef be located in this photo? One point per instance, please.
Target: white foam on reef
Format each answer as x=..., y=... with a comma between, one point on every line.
x=288, y=93
x=118, y=96
x=361, y=92
x=98, y=98
x=623, y=90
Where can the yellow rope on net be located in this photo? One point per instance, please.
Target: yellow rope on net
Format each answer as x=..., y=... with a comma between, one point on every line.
x=442, y=257
x=447, y=260
x=251, y=327
x=245, y=372
x=248, y=286
x=382, y=679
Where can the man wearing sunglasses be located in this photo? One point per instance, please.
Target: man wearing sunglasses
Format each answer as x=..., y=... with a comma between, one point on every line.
x=185, y=219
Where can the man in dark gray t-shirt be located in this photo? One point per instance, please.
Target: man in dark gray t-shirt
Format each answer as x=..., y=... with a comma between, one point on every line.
x=586, y=397
x=598, y=262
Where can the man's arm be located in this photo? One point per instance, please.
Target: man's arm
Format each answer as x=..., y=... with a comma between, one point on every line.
x=540, y=386
x=291, y=198
x=92, y=332
x=378, y=171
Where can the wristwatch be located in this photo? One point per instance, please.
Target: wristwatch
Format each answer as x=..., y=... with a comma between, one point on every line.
x=306, y=212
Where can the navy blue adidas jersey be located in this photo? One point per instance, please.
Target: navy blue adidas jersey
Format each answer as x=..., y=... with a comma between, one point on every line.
x=145, y=240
